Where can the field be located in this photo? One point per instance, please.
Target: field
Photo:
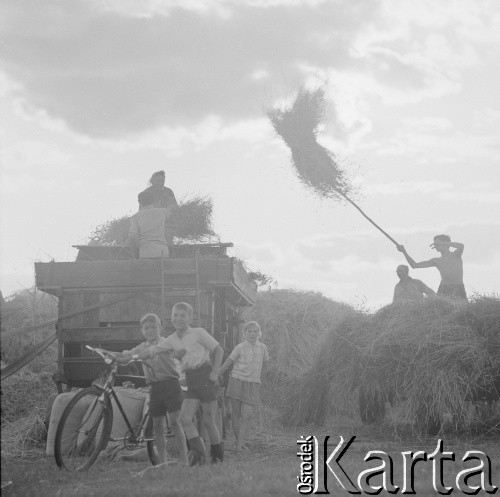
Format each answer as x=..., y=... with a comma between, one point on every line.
x=270, y=467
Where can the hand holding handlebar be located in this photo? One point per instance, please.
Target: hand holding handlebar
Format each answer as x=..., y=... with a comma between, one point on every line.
x=108, y=357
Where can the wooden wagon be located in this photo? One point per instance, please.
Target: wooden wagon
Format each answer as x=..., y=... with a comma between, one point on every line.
x=105, y=292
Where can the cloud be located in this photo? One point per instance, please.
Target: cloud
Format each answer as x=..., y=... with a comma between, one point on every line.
x=30, y=155
x=442, y=145
x=109, y=74
x=406, y=187
x=480, y=239
x=267, y=253
x=480, y=192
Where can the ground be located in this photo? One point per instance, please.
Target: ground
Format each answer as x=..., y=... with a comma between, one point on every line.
x=270, y=467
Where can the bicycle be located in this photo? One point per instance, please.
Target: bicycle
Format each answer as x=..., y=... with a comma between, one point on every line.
x=78, y=444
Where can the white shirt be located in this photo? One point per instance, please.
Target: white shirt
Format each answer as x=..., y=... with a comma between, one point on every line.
x=198, y=344
x=248, y=360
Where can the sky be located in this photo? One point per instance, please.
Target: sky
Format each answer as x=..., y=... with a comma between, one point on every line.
x=95, y=95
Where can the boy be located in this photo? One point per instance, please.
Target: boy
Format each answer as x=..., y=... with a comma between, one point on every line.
x=148, y=228
x=449, y=265
x=161, y=375
x=408, y=289
x=194, y=346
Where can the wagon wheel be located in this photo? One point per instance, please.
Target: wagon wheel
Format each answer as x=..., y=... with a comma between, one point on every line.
x=371, y=407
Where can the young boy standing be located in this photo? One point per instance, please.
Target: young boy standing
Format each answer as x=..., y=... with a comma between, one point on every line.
x=449, y=265
x=165, y=390
x=194, y=346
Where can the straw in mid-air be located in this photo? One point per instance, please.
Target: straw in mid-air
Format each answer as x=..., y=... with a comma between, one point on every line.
x=316, y=166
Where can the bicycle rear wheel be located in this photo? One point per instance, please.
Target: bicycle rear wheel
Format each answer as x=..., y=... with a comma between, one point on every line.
x=83, y=430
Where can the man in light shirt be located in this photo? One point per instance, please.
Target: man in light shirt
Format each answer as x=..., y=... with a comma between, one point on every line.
x=148, y=228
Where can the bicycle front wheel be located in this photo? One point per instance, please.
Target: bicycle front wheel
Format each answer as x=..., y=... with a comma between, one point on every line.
x=83, y=430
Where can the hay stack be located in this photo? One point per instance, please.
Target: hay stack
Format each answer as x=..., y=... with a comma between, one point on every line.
x=426, y=357
x=192, y=222
x=294, y=323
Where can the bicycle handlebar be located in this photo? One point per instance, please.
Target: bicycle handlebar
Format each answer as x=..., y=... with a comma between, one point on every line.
x=109, y=357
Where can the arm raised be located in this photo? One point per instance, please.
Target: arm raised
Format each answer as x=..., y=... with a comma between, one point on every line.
x=412, y=263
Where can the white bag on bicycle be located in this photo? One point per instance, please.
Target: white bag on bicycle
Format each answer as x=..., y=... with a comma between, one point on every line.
x=132, y=402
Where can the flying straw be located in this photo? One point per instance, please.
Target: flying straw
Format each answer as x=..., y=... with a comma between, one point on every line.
x=316, y=166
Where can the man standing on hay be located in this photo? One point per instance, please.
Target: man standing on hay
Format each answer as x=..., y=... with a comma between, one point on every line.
x=164, y=198
x=148, y=227
x=408, y=289
x=450, y=266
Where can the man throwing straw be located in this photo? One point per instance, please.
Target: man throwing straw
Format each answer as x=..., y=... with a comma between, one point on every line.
x=449, y=265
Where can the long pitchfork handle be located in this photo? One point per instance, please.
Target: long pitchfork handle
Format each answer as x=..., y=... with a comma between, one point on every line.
x=369, y=219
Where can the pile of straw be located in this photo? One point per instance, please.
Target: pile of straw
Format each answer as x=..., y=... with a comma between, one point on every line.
x=24, y=437
x=191, y=221
x=294, y=324
x=24, y=392
x=428, y=357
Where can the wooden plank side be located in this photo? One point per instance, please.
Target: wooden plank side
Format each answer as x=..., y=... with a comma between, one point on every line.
x=111, y=334
x=130, y=310
x=72, y=302
x=91, y=318
x=243, y=282
x=122, y=273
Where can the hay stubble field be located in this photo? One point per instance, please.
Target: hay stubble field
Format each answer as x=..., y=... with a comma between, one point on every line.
x=270, y=467
x=296, y=326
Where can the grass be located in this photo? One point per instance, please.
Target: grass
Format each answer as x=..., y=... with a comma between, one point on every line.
x=269, y=468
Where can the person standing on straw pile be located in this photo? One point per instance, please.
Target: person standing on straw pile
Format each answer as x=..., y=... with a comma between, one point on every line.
x=408, y=289
x=164, y=198
x=147, y=228
x=248, y=359
x=449, y=265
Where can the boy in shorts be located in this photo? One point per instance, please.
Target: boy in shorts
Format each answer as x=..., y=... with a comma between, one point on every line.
x=161, y=375
x=194, y=346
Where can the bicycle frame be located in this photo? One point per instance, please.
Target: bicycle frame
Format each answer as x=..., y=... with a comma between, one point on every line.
x=107, y=389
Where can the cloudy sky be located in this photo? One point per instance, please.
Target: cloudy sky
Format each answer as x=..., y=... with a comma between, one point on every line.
x=98, y=94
